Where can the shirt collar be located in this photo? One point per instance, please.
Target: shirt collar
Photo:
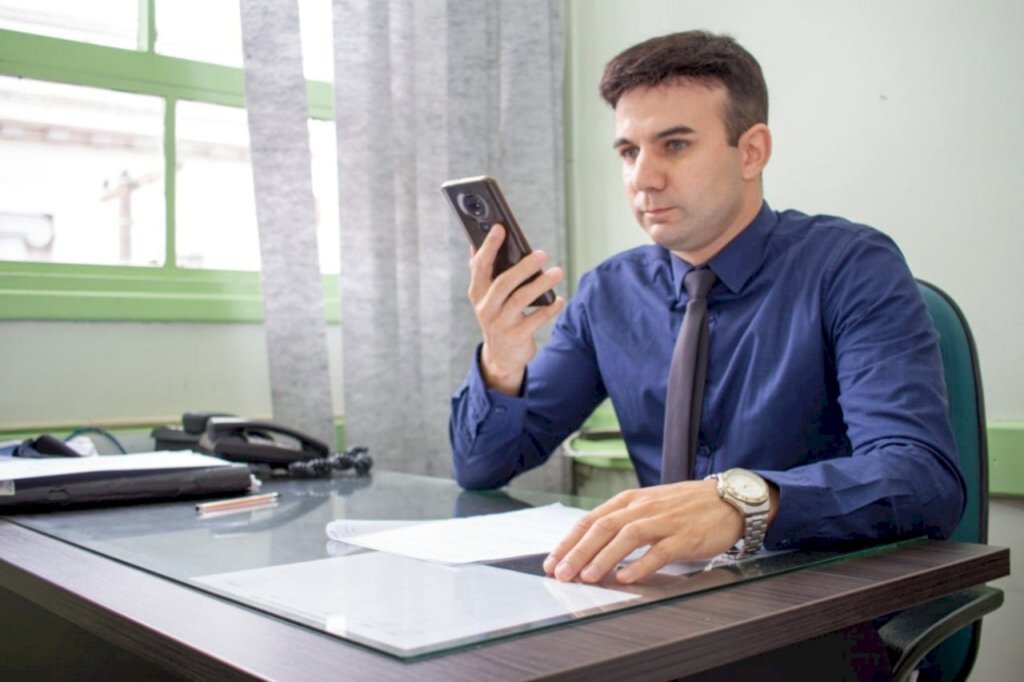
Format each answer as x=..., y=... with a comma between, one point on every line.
x=739, y=259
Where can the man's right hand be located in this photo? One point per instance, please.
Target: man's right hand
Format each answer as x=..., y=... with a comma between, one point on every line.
x=501, y=311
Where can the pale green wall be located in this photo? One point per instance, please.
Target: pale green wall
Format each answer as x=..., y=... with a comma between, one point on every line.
x=904, y=115
x=65, y=374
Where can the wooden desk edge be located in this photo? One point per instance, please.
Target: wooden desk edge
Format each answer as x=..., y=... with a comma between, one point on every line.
x=157, y=619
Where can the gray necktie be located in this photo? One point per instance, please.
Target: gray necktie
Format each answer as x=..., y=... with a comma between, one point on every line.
x=686, y=379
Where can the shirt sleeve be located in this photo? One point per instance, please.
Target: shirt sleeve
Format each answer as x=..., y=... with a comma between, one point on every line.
x=495, y=437
x=902, y=477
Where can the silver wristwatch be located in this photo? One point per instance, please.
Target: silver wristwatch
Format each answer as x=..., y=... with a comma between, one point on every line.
x=748, y=492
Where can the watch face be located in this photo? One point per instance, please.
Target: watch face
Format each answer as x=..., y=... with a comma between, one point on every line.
x=747, y=486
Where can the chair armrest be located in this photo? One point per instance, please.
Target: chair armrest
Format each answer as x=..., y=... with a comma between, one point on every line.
x=913, y=632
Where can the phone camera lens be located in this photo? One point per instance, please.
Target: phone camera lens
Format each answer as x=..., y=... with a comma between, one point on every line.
x=473, y=205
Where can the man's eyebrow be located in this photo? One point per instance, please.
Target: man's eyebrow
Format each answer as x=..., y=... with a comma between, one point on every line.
x=677, y=130
x=668, y=132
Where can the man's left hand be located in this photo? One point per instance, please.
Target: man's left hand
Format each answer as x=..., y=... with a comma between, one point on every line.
x=680, y=521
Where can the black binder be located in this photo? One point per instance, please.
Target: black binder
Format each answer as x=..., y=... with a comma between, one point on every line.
x=75, y=488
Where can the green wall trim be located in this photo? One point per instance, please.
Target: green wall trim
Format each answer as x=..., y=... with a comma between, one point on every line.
x=55, y=291
x=1006, y=458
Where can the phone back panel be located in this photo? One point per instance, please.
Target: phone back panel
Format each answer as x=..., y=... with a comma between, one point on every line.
x=479, y=204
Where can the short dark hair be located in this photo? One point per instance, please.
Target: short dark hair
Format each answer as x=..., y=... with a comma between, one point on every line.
x=700, y=56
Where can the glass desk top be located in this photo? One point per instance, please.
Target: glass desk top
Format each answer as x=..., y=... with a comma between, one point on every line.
x=279, y=560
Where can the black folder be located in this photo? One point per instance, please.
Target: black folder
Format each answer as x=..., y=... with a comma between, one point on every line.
x=63, y=488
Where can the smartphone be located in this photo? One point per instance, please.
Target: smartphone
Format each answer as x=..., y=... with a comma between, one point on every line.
x=479, y=204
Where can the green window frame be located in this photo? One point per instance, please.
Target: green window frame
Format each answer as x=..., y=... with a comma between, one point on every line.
x=60, y=291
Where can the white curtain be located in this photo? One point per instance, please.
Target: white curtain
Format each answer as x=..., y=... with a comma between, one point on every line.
x=293, y=308
x=426, y=91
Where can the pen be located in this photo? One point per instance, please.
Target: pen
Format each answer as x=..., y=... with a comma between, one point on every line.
x=238, y=503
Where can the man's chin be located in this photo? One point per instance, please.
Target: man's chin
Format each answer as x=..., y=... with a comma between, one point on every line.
x=663, y=233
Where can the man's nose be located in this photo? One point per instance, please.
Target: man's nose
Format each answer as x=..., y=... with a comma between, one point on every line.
x=647, y=174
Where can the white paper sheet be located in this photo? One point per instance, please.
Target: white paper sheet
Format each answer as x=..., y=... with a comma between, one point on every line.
x=487, y=537
x=343, y=530
x=19, y=468
x=411, y=607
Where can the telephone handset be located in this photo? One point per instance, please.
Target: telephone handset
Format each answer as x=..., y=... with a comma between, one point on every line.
x=260, y=442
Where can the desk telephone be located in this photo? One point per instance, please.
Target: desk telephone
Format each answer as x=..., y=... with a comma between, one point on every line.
x=259, y=442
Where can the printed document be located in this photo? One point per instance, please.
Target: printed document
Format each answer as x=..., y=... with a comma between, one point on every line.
x=472, y=539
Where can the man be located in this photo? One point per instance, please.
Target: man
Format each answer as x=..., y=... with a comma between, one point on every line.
x=823, y=377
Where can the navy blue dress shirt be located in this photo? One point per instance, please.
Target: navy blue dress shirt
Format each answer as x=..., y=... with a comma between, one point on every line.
x=824, y=376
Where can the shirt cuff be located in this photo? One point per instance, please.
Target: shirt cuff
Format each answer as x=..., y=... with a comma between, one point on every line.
x=806, y=512
x=490, y=409
x=781, y=533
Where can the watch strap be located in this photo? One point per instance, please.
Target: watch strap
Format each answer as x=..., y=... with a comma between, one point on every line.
x=755, y=526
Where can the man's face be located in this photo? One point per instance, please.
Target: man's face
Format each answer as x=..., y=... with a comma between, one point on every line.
x=684, y=181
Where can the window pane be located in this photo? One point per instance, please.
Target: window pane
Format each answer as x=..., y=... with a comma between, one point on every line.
x=218, y=37
x=216, y=209
x=324, y=148
x=316, y=23
x=202, y=30
x=103, y=22
x=82, y=174
x=215, y=213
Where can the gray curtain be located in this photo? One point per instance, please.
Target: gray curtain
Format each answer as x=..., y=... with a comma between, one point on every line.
x=275, y=93
x=426, y=91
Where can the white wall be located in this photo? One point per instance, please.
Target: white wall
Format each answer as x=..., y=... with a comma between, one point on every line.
x=903, y=115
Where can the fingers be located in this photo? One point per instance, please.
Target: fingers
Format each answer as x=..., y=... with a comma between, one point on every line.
x=678, y=521
x=514, y=312
x=608, y=541
x=482, y=268
x=503, y=286
x=654, y=559
x=568, y=558
x=481, y=263
x=500, y=305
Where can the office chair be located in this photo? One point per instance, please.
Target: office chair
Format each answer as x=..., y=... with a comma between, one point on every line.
x=941, y=637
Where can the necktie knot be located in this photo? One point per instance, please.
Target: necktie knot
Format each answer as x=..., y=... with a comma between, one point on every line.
x=698, y=282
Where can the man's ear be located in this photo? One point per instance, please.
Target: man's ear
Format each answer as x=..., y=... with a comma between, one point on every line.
x=756, y=148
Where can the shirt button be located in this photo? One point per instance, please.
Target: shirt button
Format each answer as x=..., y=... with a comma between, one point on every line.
x=500, y=409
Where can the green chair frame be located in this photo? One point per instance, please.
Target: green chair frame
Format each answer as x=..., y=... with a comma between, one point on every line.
x=941, y=637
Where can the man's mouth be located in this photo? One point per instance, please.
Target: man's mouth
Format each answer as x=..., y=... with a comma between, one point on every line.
x=656, y=212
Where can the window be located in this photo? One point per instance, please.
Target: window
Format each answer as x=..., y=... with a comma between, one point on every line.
x=125, y=144
x=82, y=174
x=102, y=22
x=216, y=212
x=218, y=37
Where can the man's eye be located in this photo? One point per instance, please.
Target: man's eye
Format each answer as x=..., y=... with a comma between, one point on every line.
x=628, y=153
x=677, y=145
